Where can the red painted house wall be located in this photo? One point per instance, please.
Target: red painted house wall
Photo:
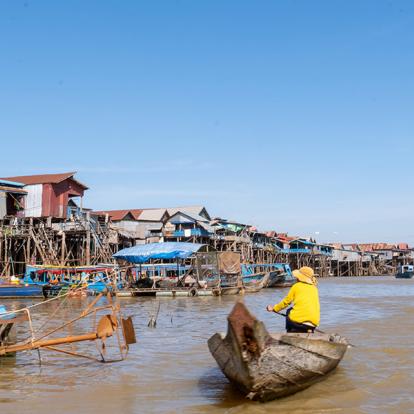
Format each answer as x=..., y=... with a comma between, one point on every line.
x=55, y=197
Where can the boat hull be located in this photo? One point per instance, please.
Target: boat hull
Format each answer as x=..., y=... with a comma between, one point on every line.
x=256, y=282
x=405, y=275
x=279, y=280
x=21, y=291
x=265, y=367
x=226, y=291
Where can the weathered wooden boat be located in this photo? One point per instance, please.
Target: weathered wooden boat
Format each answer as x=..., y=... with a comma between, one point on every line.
x=7, y=330
x=255, y=282
x=405, y=272
x=278, y=279
x=8, y=321
x=280, y=276
x=264, y=366
x=230, y=290
x=230, y=285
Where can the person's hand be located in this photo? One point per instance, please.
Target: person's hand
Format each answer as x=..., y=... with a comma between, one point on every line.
x=269, y=308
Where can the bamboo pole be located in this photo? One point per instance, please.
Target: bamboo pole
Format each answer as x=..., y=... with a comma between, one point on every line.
x=48, y=342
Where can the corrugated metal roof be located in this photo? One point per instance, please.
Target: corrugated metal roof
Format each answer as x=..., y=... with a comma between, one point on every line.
x=195, y=210
x=370, y=247
x=44, y=179
x=191, y=216
x=336, y=245
x=152, y=214
x=156, y=214
x=144, y=214
x=118, y=215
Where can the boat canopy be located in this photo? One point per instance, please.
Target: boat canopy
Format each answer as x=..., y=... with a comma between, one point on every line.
x=169, y=250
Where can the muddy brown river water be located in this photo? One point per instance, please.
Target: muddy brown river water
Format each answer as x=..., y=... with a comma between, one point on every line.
x=170, y=369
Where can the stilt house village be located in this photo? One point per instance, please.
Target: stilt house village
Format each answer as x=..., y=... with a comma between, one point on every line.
x=44, y=221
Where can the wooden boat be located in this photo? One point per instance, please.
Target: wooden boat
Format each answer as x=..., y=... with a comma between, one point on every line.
x=279, y=279
x=405, y=272
x=230, y=284
x=7, y=327
x=263, y=366
x=280, y=274
x=11, y=290
x=57, y=278
x=254, y=283
x=230, y=290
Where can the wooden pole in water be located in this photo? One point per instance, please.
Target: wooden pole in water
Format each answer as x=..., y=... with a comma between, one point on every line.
x=63, y=250
x=88, y=238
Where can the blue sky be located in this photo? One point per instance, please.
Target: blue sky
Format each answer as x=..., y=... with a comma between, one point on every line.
x=290, y=115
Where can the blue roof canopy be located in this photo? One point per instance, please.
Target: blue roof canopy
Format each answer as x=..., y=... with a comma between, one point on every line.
x=11, y=183
x=169, y=250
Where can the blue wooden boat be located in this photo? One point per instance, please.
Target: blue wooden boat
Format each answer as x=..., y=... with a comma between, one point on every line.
x=405, y=272
x=56, y=278
x=7, y=328
x=9, y=290
x=4, y=315
x=280, y=274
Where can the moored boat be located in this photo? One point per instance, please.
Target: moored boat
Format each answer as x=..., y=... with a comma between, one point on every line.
x=12, y=290
x=264, y=366
x=188, y=269
x=7, y=327
x=280, y=276
x=230, y=286
x=230, y=275
x=255, y=282
x=405, y=272
x=56, y=279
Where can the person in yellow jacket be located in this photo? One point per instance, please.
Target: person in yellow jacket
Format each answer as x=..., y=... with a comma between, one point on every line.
x=305, y=314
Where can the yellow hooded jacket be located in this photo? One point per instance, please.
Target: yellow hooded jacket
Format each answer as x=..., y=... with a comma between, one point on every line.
x=305, y=300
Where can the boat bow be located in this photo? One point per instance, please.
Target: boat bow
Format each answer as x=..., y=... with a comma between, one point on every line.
x=265, y=366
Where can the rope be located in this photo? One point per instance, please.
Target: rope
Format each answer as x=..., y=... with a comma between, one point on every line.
x=40, y=303
x=65, y=298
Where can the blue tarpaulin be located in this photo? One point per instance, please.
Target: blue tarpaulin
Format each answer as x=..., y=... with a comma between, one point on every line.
x=168, y=250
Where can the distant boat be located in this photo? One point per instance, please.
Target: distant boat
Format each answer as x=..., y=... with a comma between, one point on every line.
x=255, y=282
x=264, y=366
x=405, y=272
x=11, y=290
x=55, y=278
x=280, y=274
x=229, y=290
x=190, y=269
x=230, y=285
